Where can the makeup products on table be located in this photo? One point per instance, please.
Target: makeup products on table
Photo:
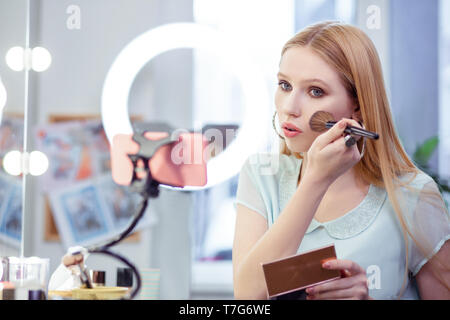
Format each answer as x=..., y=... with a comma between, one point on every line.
x=8, y=291
x=98, y=290
x=83, y=273
x=322, y=120
x=23, y=278
x=28, y=276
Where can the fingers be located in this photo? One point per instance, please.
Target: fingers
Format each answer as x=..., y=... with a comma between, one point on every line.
x=353, y=285
x=356, y=291
x=332, y=134
x=338, y=264
x=337, y=294
x=346, y=294
x=337, y=131
x=355, y=123
x=339, y=284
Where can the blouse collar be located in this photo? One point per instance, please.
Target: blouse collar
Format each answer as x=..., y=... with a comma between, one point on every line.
x=350, y=224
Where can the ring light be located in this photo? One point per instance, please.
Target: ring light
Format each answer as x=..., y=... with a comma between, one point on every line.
x=252, y=135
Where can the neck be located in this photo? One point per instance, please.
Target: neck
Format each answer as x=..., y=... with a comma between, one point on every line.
x=346, y=180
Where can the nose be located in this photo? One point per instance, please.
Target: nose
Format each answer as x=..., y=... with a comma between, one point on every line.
x=291, y=106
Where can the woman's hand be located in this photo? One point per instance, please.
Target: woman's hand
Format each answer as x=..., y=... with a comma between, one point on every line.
x=329, y=157
x=352, y=285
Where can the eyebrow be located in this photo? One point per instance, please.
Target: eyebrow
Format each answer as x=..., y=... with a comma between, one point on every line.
x=280, y=74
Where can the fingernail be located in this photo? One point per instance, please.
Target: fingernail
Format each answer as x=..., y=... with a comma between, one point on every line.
x=326, y=265
x=342, y=124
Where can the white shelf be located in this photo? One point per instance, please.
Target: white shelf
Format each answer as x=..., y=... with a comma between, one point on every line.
x=212, y=277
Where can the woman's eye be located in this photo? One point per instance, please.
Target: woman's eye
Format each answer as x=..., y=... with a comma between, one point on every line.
x=316, y=92
x=284, y=85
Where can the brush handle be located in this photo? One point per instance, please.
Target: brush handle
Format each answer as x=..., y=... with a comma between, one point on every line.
x=356, y=131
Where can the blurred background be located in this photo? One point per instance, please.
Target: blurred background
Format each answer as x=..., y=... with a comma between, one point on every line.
x=55, y=56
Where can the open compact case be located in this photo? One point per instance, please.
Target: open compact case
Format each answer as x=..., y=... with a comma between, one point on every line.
x=287, y=279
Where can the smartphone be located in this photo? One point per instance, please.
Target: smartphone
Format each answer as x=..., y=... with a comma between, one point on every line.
x=178, y=164
x=289, y=277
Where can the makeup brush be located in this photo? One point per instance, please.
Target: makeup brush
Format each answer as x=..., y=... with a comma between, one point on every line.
x=323, y=120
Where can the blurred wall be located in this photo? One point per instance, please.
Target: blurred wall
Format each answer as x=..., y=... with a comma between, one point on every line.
x=73, y=85
x=414, y=45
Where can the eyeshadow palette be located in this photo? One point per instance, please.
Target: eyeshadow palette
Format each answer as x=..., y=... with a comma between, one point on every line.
x=287, y=278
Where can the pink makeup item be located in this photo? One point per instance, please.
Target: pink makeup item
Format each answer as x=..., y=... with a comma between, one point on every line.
x=180, y=163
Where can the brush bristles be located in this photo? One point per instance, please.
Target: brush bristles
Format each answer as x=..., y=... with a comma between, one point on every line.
x=319, y=120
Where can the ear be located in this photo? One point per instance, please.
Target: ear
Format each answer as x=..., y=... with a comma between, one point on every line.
x=356, y=115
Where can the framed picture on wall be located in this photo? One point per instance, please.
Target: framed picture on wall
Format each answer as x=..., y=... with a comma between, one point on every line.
x=79, y=152
x=94, y=210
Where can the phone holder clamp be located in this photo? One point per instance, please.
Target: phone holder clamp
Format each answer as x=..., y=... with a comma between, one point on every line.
x=147, y=187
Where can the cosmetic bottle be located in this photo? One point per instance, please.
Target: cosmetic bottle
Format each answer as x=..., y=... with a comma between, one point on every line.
x=36, y=294
x=98, y=278
x=4, y=274
x=8, y=293
x=124, y=277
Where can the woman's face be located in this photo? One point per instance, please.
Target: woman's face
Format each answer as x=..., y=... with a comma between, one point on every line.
x=307, y=84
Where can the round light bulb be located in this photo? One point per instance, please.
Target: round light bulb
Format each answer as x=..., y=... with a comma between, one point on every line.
x=12, y=163
x=38, y=163
x=15, y=58
x=41, y=59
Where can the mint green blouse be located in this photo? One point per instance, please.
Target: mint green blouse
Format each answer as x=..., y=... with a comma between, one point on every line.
x=369, y=234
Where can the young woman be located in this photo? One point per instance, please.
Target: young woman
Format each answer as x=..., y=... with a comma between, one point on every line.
x=386, y=218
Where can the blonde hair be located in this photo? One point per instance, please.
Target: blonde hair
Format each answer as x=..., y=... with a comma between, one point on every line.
x=352, y=54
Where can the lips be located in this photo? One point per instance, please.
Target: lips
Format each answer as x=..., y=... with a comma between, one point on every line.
x=290, y=126
x=290, y=130
x=290, y=134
